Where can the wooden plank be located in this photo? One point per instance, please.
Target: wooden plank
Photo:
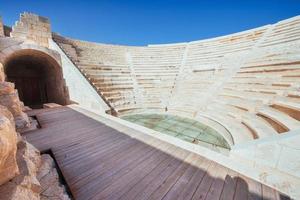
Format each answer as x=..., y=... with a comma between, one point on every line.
x=241, y=191
x=115, y=190
x=141, y=185
x=97, y=151
x=193, y=184
x=182, y=182
x=82, y=168
x=108, y=180
x=172, y=179
x=106, y=177
x=205, y=184
x=255, y=190
x=151, y=187
x=99, y=162
x=217, y=186
x=229, y=186
x=106, y=164
x=268, y=193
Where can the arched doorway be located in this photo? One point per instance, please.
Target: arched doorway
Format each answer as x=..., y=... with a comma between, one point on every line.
x=37, y=77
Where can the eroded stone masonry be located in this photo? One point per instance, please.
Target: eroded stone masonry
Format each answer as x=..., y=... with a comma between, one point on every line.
x=25, y=173
x=1, y=28
x=33, y=28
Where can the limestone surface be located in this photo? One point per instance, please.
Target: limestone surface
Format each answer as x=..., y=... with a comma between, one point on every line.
x=248, y=82
x=37, y=178
x=8, y=147
x=10, y=99
x=1, y=28
x=51, y=189
x=25, y=186
x=32, y=28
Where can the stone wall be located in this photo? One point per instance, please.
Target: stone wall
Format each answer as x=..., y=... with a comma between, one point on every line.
x=8, y=146
x=25, y=185
x=1, y=28
x=79, y=88
x=10, y=99
x=24, y=173
x=32, y=27
x=48, y=177
x=37, y=178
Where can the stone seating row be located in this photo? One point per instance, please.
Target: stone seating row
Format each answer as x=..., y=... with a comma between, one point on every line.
x=254, y=97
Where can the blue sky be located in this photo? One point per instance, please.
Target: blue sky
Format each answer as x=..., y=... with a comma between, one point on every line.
x=151, y=22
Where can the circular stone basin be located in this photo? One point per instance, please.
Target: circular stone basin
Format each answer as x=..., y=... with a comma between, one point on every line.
x=183, y=128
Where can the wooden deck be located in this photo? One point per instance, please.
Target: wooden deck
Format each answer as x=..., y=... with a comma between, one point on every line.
x=99, y=162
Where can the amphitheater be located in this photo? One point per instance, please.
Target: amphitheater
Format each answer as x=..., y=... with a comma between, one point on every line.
x=208, y=119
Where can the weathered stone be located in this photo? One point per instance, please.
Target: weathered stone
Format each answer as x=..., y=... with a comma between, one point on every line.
x=25, y=186
x=49, y=180
x=10, y=99
x=37, y=178
x=2, y=75
x=33, y=125
x=33, y=28
x=10, y=191
x=7, y=88
x=5, y=112
x=22, y=121
x=1, y=28
x=8, y=146
x=25, y=108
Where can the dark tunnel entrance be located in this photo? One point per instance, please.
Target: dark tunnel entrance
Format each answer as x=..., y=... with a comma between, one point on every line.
x=37, y=77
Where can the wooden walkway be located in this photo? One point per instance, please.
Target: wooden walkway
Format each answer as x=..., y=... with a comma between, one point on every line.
x=99, y=162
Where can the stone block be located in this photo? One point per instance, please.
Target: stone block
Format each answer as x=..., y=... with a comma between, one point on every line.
x=1, y=28
x=49, y=180
x=8, y=147
x=51, y=105
x=289, y=160
x=10, y=99
x=32, y=27
x=2, y=75
x=24, y=186
x=268, y=154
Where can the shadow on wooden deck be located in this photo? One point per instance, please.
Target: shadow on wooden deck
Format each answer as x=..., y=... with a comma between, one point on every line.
x=99, y=162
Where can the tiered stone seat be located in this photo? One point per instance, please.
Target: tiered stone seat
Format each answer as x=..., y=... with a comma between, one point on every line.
x=247, y=82
x=254, y=97
x=205, y=65
x=107, y=69
x=283, y=32
x=156, y=68
x=209, y=53
x=261, y=82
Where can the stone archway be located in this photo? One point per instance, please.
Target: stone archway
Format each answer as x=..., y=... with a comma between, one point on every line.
x=37, y=76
